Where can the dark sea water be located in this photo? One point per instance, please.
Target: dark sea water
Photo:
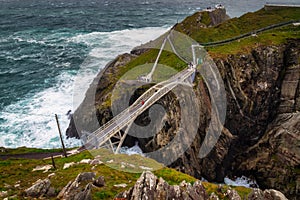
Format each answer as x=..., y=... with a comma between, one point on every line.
x=44, y=42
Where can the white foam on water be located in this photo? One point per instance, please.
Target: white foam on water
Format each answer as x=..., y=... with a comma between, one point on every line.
x=106, y=46
x=132, y=150
x=30, y=121
x=240, y=181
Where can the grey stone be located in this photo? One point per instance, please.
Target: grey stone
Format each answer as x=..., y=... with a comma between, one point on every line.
x=99, y=182
x=39, y=188
x=79, y=189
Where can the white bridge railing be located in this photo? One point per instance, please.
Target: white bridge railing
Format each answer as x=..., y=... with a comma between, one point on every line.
x=126, y=117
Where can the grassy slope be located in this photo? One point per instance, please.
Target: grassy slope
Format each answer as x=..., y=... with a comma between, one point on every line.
x=15, y=170
x=246, y=23
x=237, y=26
x=230, y=28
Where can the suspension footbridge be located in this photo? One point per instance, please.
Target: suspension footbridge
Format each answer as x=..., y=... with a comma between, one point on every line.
x=113, y=133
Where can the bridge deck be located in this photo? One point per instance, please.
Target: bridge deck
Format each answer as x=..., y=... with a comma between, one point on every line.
x=127, y=116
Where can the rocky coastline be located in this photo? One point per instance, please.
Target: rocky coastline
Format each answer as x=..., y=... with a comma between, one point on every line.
x=261, y=134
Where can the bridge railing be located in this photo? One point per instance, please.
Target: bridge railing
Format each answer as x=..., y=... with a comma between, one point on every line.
x=105, y=132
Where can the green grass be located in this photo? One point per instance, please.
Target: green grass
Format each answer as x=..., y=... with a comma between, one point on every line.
x=213, y=188
x=237, y=26
x=174, y=177
x=169, y=65
x=273, y=37
x=20, y=170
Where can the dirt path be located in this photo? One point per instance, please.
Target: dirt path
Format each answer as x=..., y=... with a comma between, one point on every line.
x=30, y=155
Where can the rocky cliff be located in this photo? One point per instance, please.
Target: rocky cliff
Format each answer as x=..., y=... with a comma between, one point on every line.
x=260, y=138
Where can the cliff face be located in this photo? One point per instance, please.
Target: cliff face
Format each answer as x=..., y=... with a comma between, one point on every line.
x=260, y=138
x=275, y=159
x=261, y=134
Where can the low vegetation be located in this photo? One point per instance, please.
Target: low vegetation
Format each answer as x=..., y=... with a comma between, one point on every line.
x=16, y=175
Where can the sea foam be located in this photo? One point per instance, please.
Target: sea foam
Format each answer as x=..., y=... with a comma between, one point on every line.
x=30, y=121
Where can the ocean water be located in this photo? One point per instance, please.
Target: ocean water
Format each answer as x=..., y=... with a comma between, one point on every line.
x=43, y=44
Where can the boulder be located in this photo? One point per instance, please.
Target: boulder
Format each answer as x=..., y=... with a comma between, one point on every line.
x=85, y=176
x=258, y=194
x=232, y=194
x=148, y=186
x=99, y=182
x=274, y=195
x=79, y=189
x=39, y=188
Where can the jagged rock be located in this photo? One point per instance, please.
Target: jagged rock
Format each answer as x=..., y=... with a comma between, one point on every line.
x=213, y=196
x=39, y=188
x=274, y=158
x=149, y=187
x=85, y=194
x=51, y=192
x=85, y=176
x=233, y=195
x=99, y=182
x=200, y=190
x=256, y=194
x=273, y=195
x=79, y=189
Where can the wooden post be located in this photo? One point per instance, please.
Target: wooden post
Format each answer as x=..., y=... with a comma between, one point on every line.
x=53, y=162
x=60, y=135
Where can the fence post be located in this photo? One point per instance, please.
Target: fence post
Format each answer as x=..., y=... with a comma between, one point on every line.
x=60, y=135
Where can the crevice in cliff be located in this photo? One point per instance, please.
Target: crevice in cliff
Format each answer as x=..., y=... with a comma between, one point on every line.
x=234, y=97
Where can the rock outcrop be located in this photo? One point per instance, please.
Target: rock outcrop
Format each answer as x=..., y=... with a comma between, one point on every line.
x=41, y=188
x=79, y=189
x=149, y=187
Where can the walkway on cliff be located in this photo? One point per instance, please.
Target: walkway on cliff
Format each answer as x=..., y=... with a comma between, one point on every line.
x=250, y=33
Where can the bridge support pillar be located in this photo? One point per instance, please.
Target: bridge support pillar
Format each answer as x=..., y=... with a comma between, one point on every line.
x=123, y=138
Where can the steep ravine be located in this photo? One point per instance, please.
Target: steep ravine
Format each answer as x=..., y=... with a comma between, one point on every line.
x=261, y=134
